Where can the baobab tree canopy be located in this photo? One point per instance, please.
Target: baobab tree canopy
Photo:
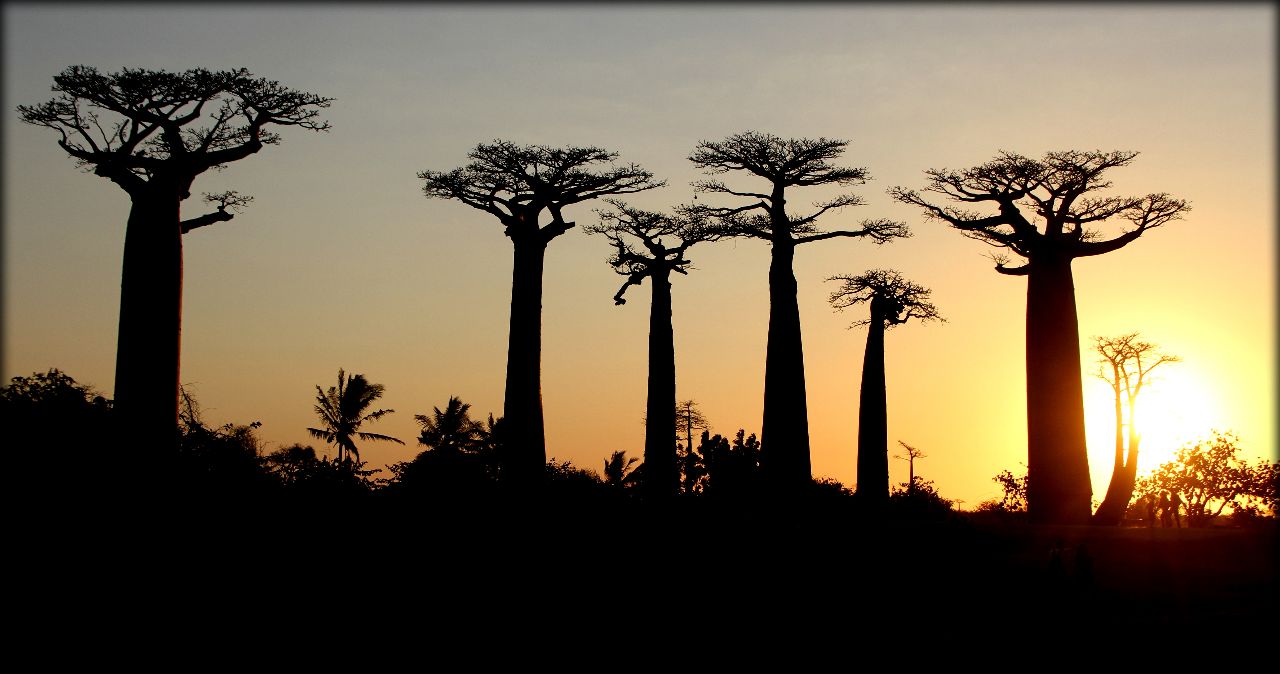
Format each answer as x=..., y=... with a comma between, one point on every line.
x=1047, y=212
x=136, y=125
x=516, y=184
x=894, y=299
x=1058, y=191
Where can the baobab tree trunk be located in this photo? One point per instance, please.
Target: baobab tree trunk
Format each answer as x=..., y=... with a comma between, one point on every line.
x=873, y=433
x=150, y=332
x=784, y=433
x=661, y=476
x=1124, y=472
x=524, y=455
x=1058, y=488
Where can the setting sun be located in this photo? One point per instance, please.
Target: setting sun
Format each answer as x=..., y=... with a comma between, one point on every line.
x=1176, y=406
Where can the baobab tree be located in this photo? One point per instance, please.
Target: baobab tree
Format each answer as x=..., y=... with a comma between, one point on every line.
x=892, y=301
x=1126, y=365
x=911, y=454
x=784, y=164
x=152, y=132
x=518, y=185
x=1061, y=192
x=649, y=245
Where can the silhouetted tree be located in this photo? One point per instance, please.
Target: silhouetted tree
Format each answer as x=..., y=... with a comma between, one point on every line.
x=784, y=163
x=458, y=461
x=343, y=410
x=1059, y=190
x=1126, y=362
x=662, y=242
x=618, y=471
x=65, y=427
x=688, y=419
x=1210, y=475
x=517, y=185
x=293, y=464
x=450, y=431
x=225, y=459
x=152, y=133
x=919, y=498
x=893, y=300
x=911, y=455
x=731, y=468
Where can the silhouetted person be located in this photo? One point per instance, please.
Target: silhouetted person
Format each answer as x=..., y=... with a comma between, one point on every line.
x=1166, y=517
x=1175, y=503
x=1151, y=511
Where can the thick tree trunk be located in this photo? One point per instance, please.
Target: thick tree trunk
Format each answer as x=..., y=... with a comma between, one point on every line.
x=661, y=476
x=873, y=432
x=150, y=331
x=524, y=454
x=784, y=435
x=1058, y=488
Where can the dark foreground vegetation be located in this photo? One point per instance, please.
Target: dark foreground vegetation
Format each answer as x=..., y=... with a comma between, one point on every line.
x=286, y=532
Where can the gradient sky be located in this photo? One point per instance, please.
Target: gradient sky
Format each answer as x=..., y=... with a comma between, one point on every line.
x=342, y=262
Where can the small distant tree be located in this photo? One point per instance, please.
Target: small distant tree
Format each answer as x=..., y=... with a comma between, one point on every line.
x=153, y=132
x=1126, y=365
x=893, y=301
x=1061, y=192
x=1014, y=493
x=519, y=185
x=785, y=164
x=1211, y=476
x=649, y=245
x=911, y=454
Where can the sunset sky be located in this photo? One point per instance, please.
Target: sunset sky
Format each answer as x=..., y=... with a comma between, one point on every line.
x=342, y=262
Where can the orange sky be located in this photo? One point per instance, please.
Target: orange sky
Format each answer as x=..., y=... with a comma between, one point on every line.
x=341, y=262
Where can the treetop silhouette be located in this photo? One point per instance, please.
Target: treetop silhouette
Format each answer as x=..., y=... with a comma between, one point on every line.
x=782, y=164
x=1061, y=192
x=152, y=132
x=517, y=184
x=894, y=300
x=625, y=226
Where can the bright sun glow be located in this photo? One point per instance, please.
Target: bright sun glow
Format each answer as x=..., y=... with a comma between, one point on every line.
x=1175, y=407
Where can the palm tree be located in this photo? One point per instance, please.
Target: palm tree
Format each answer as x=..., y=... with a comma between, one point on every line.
x=618, y=471
x=452, y=430
x=343, y=409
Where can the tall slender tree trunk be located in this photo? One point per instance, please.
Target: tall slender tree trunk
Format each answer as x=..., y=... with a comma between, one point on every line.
x=150, y=331
x=1058, y=488
x=1124, y=472
x=524, y=455
x=784, y=435
x=873, y=432
x=661, y=475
